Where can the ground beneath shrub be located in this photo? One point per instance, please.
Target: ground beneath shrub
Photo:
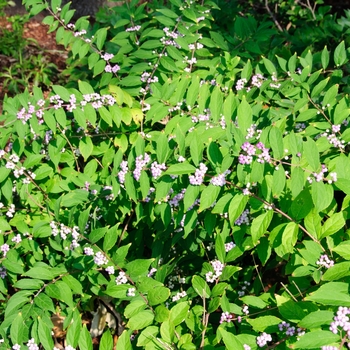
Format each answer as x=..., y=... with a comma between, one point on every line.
x=40, y=42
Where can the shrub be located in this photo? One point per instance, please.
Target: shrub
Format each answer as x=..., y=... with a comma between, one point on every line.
x=185, y=197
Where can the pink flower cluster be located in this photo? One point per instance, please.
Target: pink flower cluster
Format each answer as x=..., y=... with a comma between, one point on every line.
x=218, y=268
x=251, y=150
x=198, y=177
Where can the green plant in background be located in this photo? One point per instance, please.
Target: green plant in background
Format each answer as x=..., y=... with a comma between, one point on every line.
x=32, y=71
x=183, y=196
x=25, y=69
x=12, y=42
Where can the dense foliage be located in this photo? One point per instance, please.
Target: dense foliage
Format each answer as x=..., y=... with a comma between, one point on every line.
x=188, y=188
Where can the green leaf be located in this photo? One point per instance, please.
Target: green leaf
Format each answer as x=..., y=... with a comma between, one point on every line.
x=179, y=312
x=276, y=142
x=219, y=40
x=332, y=293
x=162, y=148
x=270, y=67
x=325, y=58
x=138, y=268
x=196, y=149
x=130, y=187
x=190, y=222
x=319, y=88
x=167, y=331
x=169, y=64
x=84, y=87
x=208, y=197
x=312, y=223
x=168, y=13
x=74, y=329
x=134, y=308
x=62, y=92
x=190, y=14
x=337, y=272
x=333, y=224
x=228, y=272
x=118, y=291
x=322, y=195
x=17, y=329
x=230, y=340
x=180, y=169
x=292, y=62
x=124, y=342
x=244, y=116
x=141, y=320
x=253, y=301
x=192, y=92
x=40, y=272
x=106, y=342
x=259, y=225
x=100, y=37
x=4, y=173
x=85, y=147
x=290, y=236
x=315, y=340
x=340, y=56
x=237, y=205
x=330, y=96
x=201, y=287
x=282, y=62
x=4, y=225
x=343, y=249
x=247, y=71
x=220, y=248
x=222, y=204
x=26, y=283
x=61, y=118
x=306, y=115
x=110, y=238
x=216, y=103
x=311, y=154
x=85, y=341
x=158, y=295
x=316, y=319
x=106, y=115
x=289, y=309
x=75, y=197
x=279, y=181
x=301, y=205
x=147, y=335
x=97, y=234
x=44, y=333
x=264, y=250
x=260, y=324
x=214, y=154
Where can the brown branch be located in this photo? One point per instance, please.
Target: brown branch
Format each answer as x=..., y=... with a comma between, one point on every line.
x=279, y=27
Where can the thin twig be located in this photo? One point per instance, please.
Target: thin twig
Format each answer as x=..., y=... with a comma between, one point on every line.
x=258, y=273
x=205, y=323
x=287, y=290
x=297, y=287
x=273, y=16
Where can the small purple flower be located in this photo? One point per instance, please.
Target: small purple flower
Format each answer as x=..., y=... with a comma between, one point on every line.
x=198, y=177
x=325, y=261
x=123, y=171
x=220, y=180
x=121, y=278
x=226, y=317
x=262, y=339
x=157, y=169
